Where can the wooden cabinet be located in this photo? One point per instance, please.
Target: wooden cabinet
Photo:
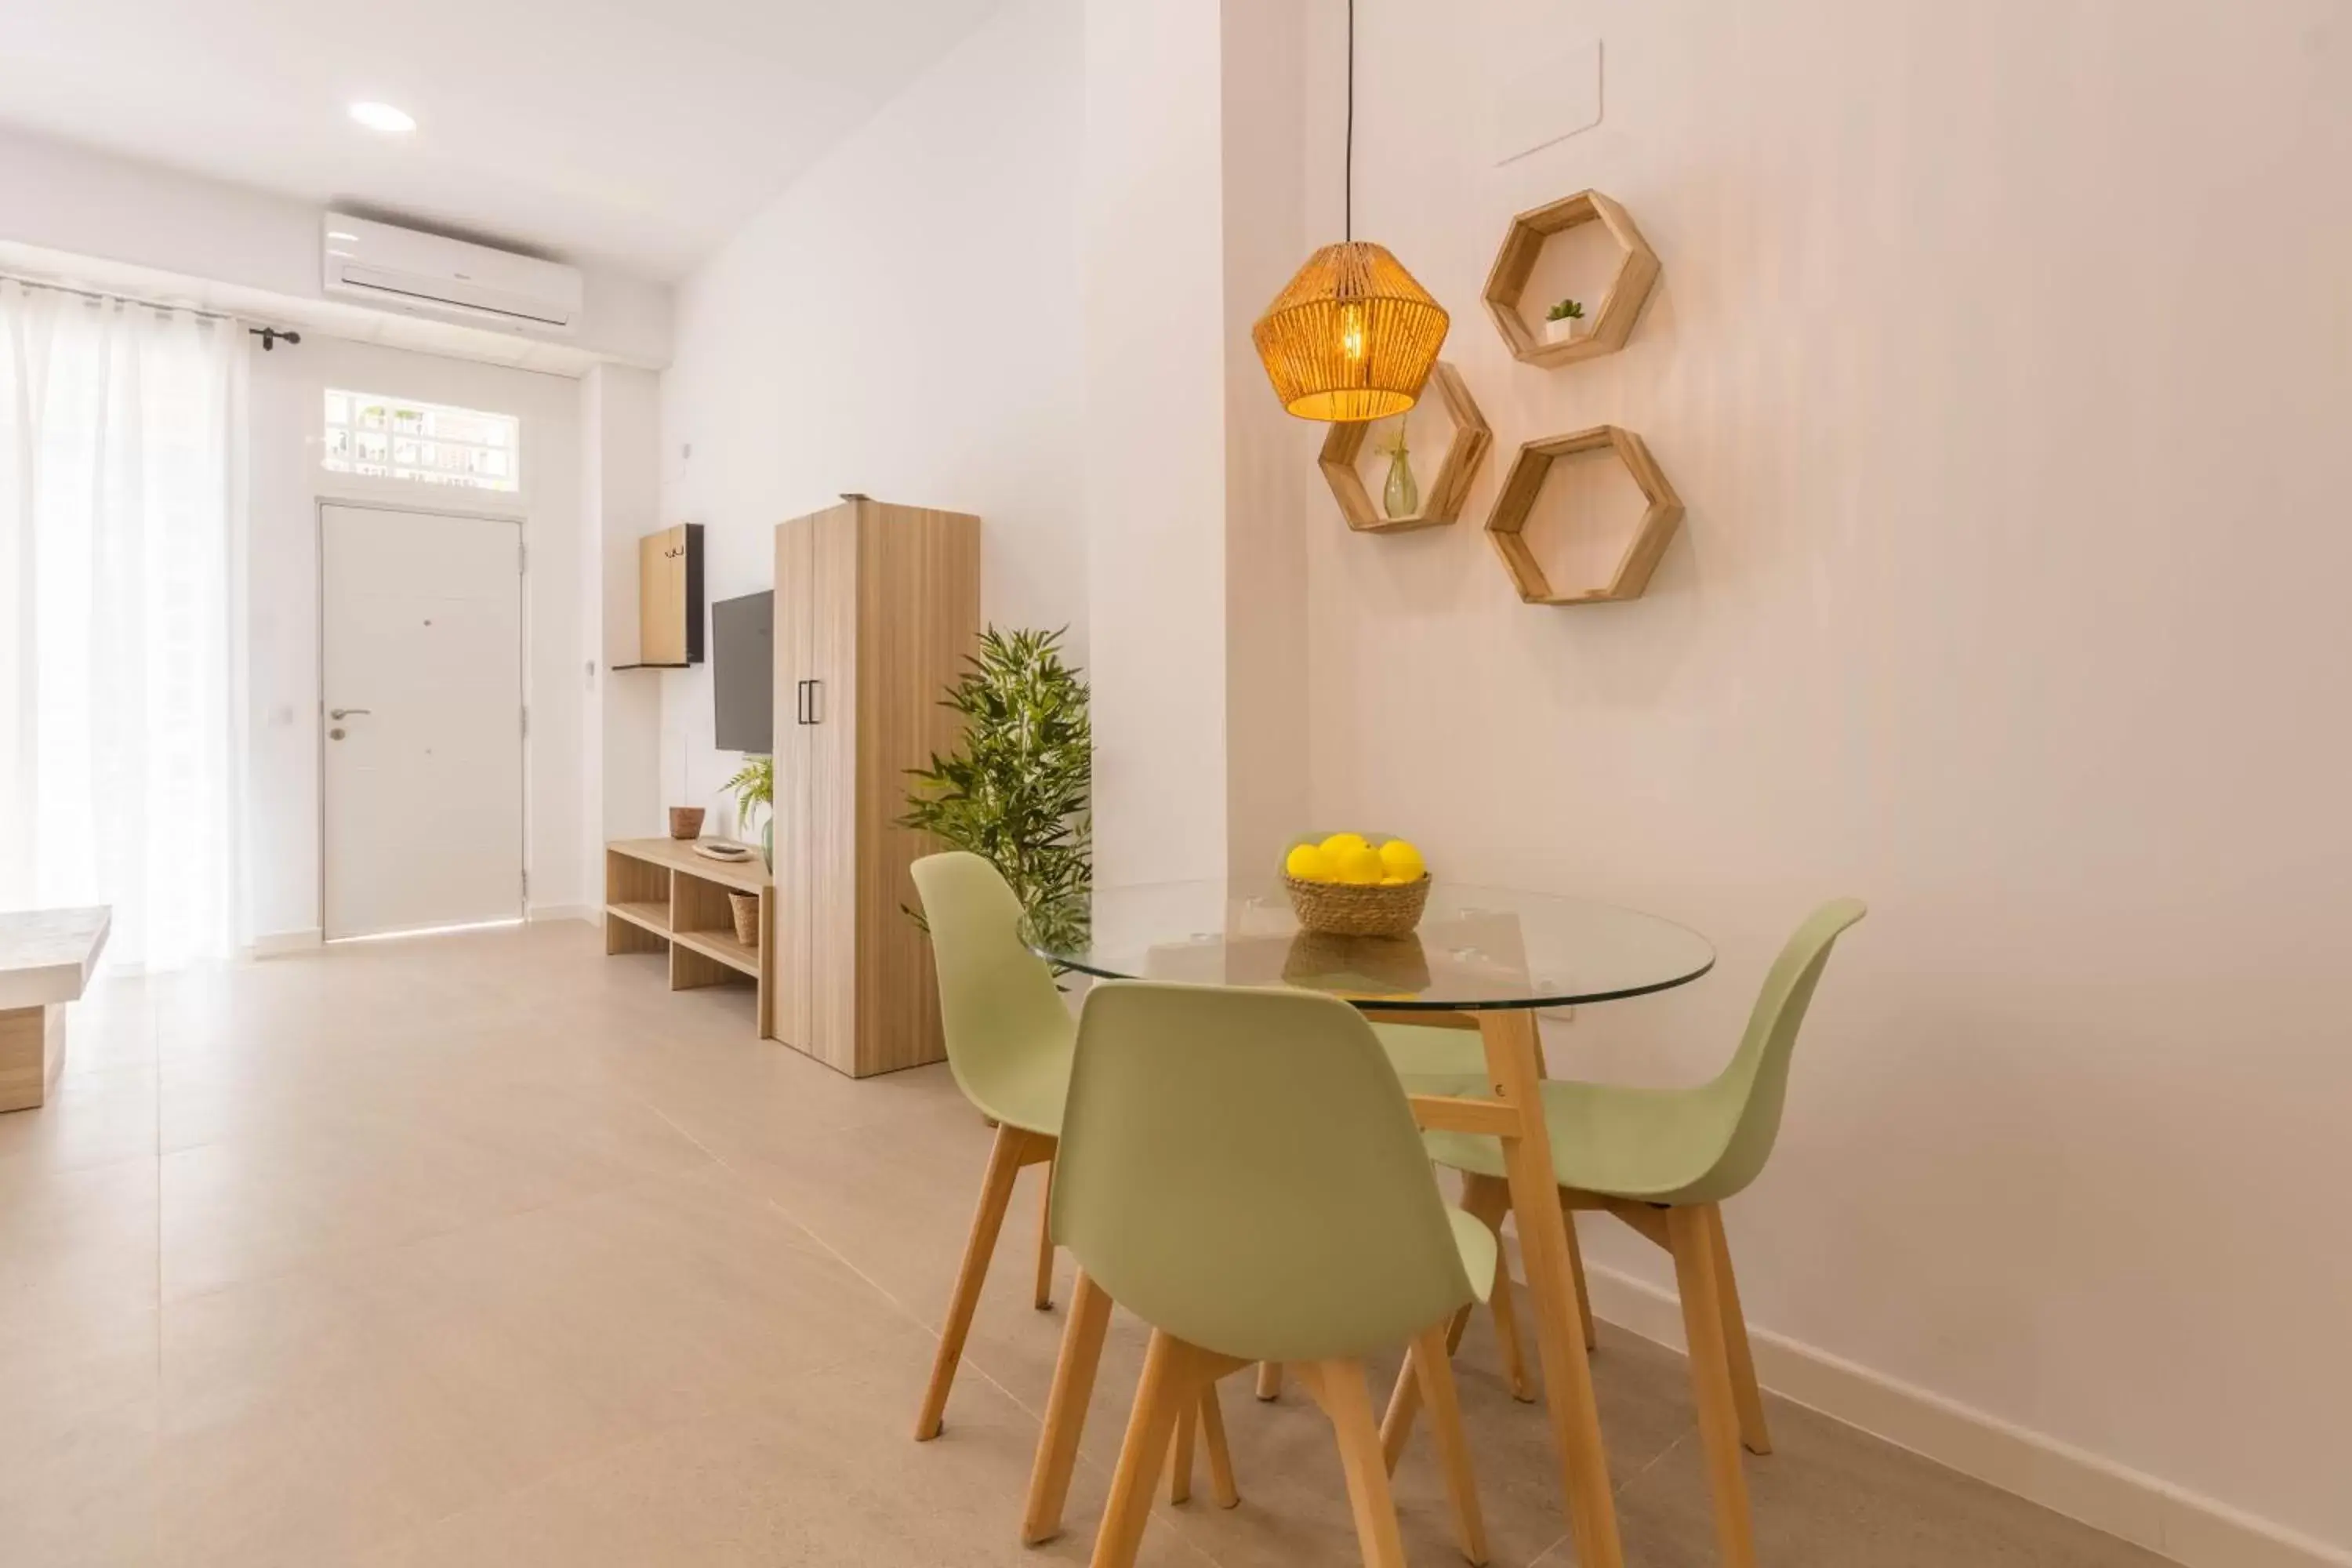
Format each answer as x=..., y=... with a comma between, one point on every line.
x=876, y=608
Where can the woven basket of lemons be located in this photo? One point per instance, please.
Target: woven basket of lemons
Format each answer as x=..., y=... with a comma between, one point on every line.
x=1347, y=885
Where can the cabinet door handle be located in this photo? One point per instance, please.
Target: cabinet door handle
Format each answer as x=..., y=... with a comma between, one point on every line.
x=816, y=709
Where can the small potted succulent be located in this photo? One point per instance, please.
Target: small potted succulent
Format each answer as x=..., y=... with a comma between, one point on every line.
x=1563, y=322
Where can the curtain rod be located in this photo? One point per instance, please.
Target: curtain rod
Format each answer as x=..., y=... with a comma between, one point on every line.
x=270, y=336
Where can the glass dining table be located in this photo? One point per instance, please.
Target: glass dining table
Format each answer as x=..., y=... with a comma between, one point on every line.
x=1481, y=957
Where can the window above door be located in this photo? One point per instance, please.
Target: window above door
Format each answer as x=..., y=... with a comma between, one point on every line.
x=431, y=443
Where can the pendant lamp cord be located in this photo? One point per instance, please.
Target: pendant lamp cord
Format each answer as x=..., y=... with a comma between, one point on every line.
x=1348, y=220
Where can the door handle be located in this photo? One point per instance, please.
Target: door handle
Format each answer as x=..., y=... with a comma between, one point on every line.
x=800, y=702
x=815, y=708
x=346, y=712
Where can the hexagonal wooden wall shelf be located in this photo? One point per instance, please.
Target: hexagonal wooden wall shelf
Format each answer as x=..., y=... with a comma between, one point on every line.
x=1441, y=501
x=1507, y=524
x=1628, y=291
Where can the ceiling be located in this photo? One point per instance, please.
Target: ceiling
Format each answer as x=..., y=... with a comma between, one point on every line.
x=636, y=131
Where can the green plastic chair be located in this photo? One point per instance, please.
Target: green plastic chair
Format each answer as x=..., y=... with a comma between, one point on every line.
x=1240, y=1169
x=1009, y=1039
x=1430, y=1058
x=1664, y=1161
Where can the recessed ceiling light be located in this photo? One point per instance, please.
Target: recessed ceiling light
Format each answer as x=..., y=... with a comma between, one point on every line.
x=383, y=117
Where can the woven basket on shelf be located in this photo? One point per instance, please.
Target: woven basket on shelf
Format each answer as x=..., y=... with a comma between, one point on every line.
x=745, y=908
x=1350, y=908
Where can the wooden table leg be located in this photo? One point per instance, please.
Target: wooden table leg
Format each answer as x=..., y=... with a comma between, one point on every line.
x=1514, y=1068
x=1065, y=1410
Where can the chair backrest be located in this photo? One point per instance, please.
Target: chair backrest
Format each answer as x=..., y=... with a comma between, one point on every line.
x=997, y=999
x=1750, y=1092
x=1241, y=1168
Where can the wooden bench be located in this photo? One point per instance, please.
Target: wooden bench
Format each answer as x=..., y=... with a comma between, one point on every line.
x=46, y=957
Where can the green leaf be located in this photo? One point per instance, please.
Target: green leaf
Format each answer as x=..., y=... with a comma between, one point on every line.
x=754, y=784
x=1017, y=790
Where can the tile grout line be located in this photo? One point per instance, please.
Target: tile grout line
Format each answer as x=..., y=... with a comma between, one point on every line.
x=1182, y=1530
x=769, y=1200
x=1036, y=1417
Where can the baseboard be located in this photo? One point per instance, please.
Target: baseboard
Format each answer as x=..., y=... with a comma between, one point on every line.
x=538, y=912
x=276, y=944
x=2182, y=1525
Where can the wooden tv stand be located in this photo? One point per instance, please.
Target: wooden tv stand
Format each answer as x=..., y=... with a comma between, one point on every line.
x=662, y=897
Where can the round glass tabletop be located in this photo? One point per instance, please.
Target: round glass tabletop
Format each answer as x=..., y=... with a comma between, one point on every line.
x=1475, y=948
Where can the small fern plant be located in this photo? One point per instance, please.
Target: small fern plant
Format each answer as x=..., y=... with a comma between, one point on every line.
x=1017, y=790
x=754, y=784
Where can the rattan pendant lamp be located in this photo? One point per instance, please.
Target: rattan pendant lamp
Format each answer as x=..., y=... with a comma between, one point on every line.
x=1353, y=336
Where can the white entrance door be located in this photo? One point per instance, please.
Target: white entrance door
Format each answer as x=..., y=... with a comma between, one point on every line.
x=422, y=652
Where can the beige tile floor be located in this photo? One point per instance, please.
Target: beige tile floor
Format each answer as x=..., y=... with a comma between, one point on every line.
x=487, y=1250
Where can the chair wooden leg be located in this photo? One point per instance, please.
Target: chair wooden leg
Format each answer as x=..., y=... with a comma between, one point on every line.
x=1066, y=1411
x=1005, y=1162
x=1340, y=1388
x=1744, y=1388
x=1507, y=1333
x=1221, y=1457
x=1044, y=1296
x=1145, y=1449
x=1269, y=1379
x=1487, y=1199
x=1405, y=1399
x=1436, y=1371
x=1576, y=1268
x=1690, y=1231
x=1180, y=1454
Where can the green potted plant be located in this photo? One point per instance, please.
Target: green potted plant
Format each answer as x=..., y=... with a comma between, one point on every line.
x=754, y=784
x=1016, y=790
x=1563, y=322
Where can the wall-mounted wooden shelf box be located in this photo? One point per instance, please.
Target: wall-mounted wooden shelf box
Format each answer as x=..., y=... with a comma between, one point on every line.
x=670, y=599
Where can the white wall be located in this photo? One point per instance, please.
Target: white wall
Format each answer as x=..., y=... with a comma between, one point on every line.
x=1268, y=490
x=72, y=199
x=902, y=321
x=1156, y=356
x=2003, y=359
x=620, y=441
x=286, y=486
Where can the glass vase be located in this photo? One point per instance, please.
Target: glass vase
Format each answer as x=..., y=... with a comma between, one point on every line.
x=1402, y=498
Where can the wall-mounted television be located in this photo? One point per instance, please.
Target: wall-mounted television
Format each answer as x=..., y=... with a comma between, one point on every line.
x=743, y=672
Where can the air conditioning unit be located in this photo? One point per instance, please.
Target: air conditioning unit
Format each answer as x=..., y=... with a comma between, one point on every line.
x=425, y=275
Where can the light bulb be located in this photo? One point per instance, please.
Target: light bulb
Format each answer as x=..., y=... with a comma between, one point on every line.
x=1351, y=332
x=383, y=117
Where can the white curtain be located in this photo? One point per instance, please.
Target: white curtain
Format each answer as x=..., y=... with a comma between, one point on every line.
x=122, y=602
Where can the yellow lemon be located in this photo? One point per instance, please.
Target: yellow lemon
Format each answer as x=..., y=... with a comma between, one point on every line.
x=1394, y=881
x=1359, y=865
x=1402, y=861
x=1309, y=864
x=1340, y=842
